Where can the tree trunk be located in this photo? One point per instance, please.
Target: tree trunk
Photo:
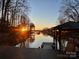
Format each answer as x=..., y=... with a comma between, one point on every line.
x=3, y=4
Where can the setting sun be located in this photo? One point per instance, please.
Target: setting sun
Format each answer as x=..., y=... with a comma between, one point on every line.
x=23, y=29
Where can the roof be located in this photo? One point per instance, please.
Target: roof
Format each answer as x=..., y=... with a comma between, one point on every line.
x=68, y=25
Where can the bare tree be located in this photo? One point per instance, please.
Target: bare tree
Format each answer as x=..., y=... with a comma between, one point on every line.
x=70, y=10
x=11, y=8
x=20, y=8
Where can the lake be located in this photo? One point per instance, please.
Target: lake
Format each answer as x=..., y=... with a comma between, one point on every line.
x=39, y=39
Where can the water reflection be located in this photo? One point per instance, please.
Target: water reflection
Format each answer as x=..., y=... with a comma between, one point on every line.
x=39, y=39
x=35, y=41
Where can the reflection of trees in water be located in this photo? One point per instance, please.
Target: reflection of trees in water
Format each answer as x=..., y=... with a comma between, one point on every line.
x=31, y=36
x=32, y=33
x=28, y=40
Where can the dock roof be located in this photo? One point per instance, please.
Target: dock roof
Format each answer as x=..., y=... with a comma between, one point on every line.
x=68, y=25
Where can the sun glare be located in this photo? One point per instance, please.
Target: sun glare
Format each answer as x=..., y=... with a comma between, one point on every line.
x=23, y=29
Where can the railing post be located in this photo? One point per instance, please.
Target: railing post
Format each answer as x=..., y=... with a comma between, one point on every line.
x=59, y=39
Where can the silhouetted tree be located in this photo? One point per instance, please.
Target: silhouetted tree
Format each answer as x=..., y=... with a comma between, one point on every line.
x=19, y=8
x=10, y=9
x=70, y=10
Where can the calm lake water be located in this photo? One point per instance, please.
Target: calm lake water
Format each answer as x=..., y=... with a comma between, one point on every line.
x=39, y=39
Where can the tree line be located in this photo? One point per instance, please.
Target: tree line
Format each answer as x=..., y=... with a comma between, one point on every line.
x=12, y=10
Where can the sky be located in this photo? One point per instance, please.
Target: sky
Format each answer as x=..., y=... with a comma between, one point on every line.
x=44, y=13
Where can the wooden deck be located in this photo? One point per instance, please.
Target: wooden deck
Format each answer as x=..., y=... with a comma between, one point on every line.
x=27, y=53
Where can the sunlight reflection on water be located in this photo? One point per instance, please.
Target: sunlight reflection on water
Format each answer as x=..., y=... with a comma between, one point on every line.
x=39, y=39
